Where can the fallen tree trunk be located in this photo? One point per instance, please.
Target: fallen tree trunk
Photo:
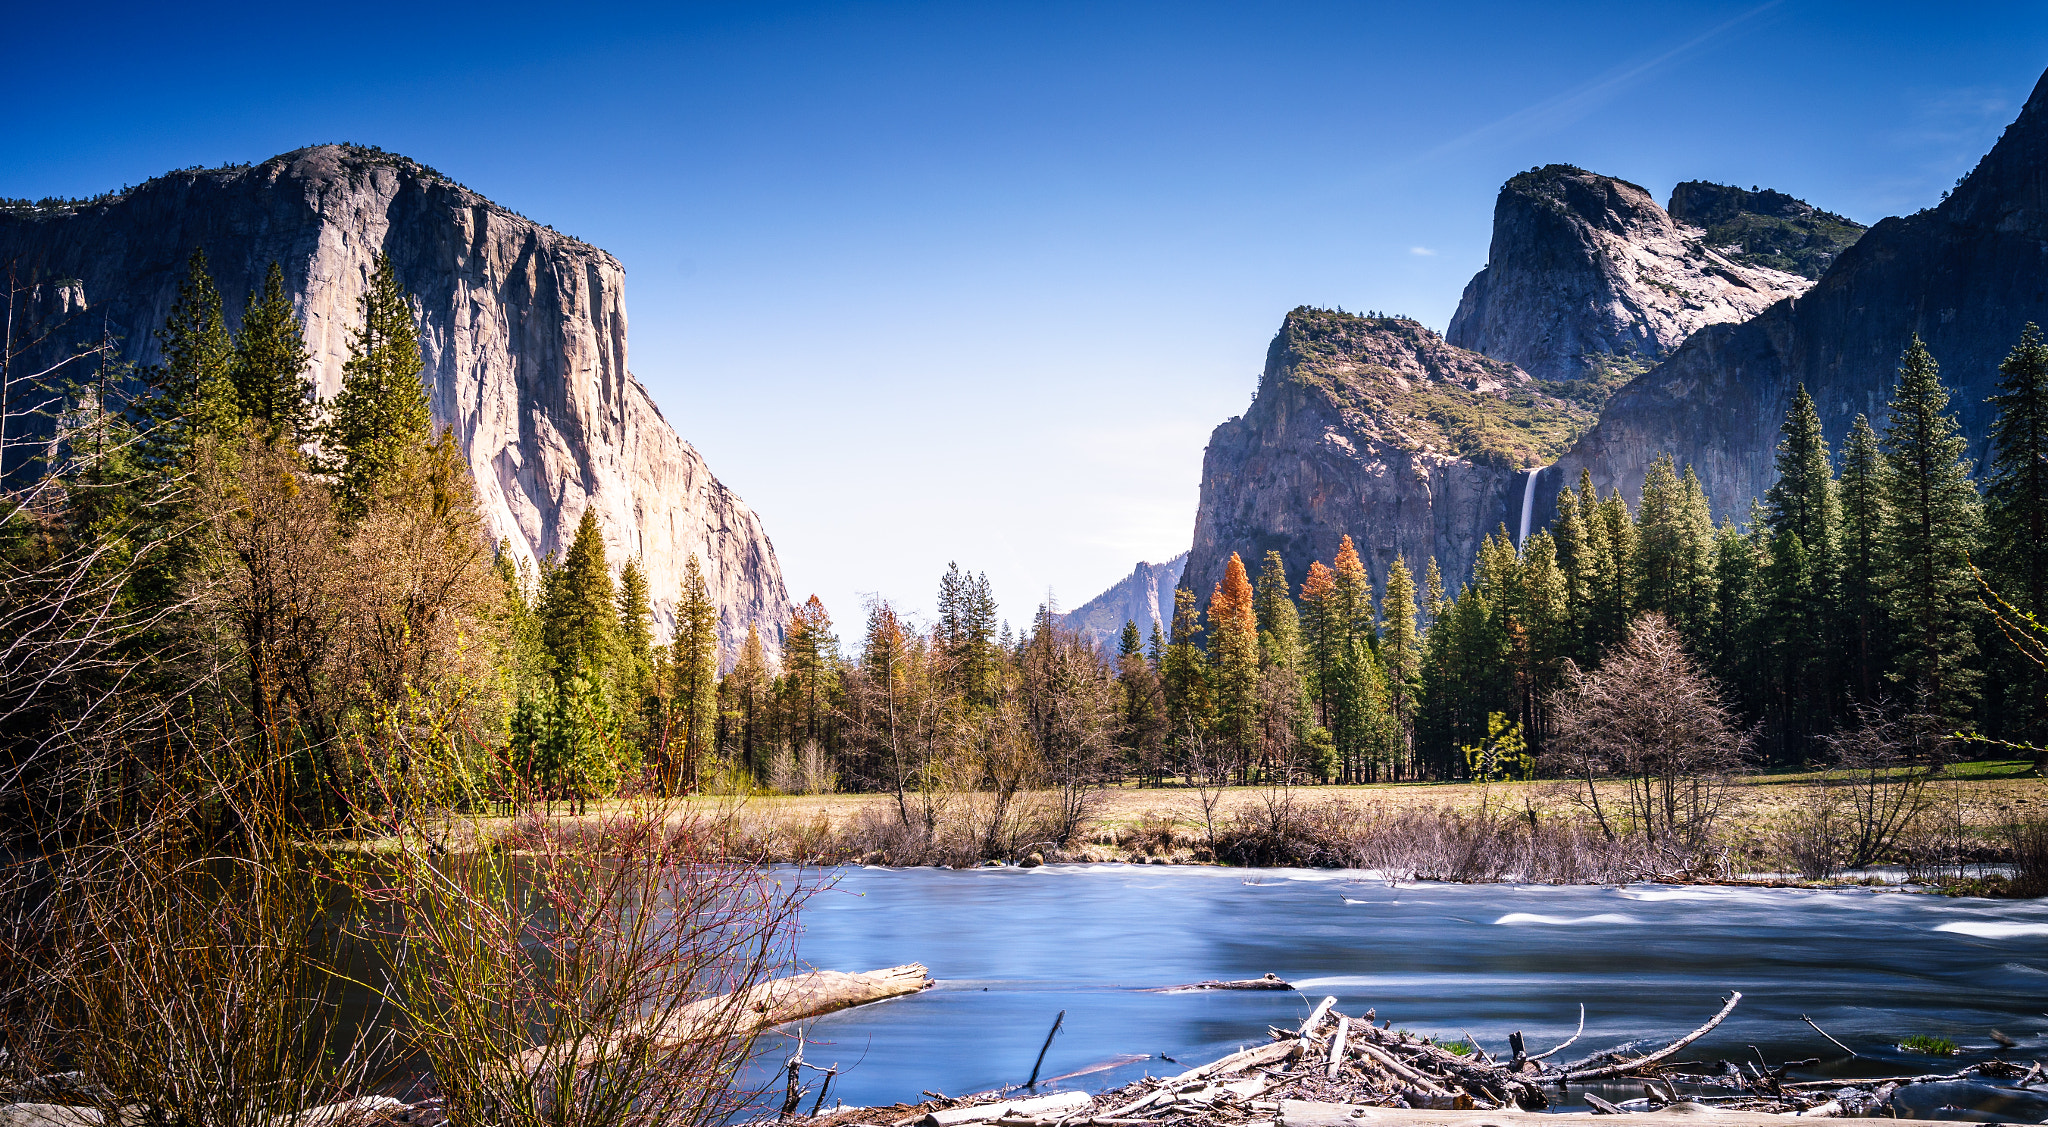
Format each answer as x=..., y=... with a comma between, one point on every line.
x=735, y=1015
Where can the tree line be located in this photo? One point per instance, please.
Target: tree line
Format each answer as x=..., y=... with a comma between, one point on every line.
x=1882, y=582
x=231, y=562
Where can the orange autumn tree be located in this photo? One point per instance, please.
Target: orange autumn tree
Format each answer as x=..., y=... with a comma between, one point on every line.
x=1235, y=656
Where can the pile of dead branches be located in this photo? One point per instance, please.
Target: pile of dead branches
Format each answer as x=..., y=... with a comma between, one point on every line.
x=1314, y=1075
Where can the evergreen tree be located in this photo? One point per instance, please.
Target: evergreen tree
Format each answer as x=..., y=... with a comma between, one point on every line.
x=1323, y=635
x=580, y=606
x=1803, y=500
x=193, y=389
x=1738, y=650
x=1234, y=657
x=744, y=703
x=1141, y=725
x=1675, y=549
x=636, y=628
x=967, y=632
x=381, y=417
x=1279, y=618
x=1432, y=593
x=1541, y=638
x=270, y=363
x=811, y=671
x=1401, y=646
x=1611, y=579
x=695, y=650
x=1933, y=520
x=1865, y=624
x=2016, y=524
x=1184, y=674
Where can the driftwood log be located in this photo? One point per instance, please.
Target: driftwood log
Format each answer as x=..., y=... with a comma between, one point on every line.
x=770, y=1003
x=1269, y=982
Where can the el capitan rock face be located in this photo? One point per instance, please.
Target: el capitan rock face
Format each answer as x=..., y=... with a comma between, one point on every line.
x=1588, y=279
x=523, y=333
x=1376, y=428
x=1144, y=596
x=1965, y=275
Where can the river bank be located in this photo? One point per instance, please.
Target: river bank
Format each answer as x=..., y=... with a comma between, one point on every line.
x=1547, y=831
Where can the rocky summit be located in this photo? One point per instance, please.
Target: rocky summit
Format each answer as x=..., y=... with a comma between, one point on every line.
x=522, y=330
x=1965, y=275
x=1144, y=597
x=1375, y=427
x=1588, y=281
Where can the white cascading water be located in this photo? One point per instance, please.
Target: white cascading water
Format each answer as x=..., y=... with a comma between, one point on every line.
x=1528, y=502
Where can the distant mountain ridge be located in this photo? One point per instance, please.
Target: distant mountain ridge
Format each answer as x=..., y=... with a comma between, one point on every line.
x=522, y=330
x=1145, y=596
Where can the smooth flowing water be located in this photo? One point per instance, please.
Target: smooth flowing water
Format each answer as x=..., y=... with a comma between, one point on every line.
x=1010, y=948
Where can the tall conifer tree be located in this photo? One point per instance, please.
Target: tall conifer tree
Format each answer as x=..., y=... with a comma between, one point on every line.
x=270, y=363
x=1401, y=645
x=2016, y=525
x=194, y=387
x=580, y=605
x=1933, y=520
x=1234, y=656
x=381, y=417
x=695, y=656
x=1865, y=623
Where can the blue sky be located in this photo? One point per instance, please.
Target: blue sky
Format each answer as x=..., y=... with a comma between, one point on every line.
x=932, y=282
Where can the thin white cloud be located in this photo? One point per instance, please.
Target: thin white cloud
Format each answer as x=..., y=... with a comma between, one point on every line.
x=1423, y=251
x=1563, y=109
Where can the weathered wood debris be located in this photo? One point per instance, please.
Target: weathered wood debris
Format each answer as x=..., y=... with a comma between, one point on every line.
x=775, y=1002
x=1337, y=1070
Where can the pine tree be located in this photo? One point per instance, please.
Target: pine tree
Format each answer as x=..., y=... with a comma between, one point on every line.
x=1401, y=646
x=1934, y=516
x=1675, y=548
x=2016, y=524
x=1234, y=656
x=1323, y=635
x=1803, y=499
x=636, y=626
x=381, y=417
x=1738, y=651
x=270, y=363
x=1184, y=674
x=194, y=387
x=811, y=667
x=695, y=650
x=1866, y=627
x=967, y=632
x=580, y=606
x=1432, y=594
x=1279, y=618
x=1612, y=578
x=743, y=697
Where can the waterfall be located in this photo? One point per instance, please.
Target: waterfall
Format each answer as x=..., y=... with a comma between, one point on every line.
x=1528, y=502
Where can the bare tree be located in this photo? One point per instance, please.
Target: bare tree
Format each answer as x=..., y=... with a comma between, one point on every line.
x=1652, y=720
x=1069, y=699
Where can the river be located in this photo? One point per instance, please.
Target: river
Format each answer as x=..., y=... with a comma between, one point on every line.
x=1010, y=948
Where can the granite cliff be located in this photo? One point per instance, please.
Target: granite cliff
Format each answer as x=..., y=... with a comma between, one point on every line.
x=1375, y=427
x=523, y=331
x=1589, y=281
x=1964, y=275
x=1144, y=596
